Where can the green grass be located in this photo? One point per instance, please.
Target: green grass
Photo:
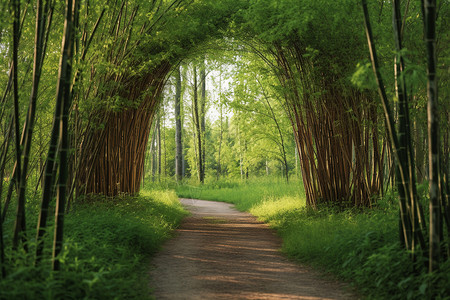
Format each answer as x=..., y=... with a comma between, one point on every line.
x=358, y=246
x=108, y=243
x=244, y=194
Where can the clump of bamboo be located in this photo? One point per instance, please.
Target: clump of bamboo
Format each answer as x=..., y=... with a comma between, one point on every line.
x=336, y=133
x=413, y=227
x=111, y=160
x=110, y=143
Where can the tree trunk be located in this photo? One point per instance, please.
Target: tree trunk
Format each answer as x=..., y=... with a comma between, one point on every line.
x=39, y=56
x=433, y=134
x=164, y=144
x=4, y=153
x=2, y=248
x=419, y=151
x=296, y=162
x=219, y=154
x=19, y=225
x=154, y=151
x=241, y=160
x=158, y=140
x=178, y=128
x=48, y=179
x=63, y=96
x=405, y=152
x=195, y=107
x=203, y=118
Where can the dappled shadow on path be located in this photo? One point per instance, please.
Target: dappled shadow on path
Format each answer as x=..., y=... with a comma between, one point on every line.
x=220, y=253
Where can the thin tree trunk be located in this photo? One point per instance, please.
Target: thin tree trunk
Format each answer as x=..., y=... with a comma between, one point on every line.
x=241, y=160
x=178, y=128
x=419, y=151
x=153, y=152
x=389, y=122
x=158, y=137
x=296, y=161
x=48, y=180
x=39, y=54
x=219, y=166
x=203, y=118
x=164, y=145
x=433, y=134
x=195, y=108
x=19, y=225
x=445, y=185
x=2, y=248
x=63, y=96
x=4, y=154
x=405, y=151
x=219, y=163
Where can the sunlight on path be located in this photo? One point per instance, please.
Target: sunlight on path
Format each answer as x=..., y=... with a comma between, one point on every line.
x=221, y=253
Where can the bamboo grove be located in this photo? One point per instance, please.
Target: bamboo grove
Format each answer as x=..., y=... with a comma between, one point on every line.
x=87, y=125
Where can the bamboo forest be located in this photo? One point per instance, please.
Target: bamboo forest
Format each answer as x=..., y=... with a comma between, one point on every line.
x=224, y=149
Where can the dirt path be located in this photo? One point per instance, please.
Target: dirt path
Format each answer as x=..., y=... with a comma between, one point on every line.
x=221, y=253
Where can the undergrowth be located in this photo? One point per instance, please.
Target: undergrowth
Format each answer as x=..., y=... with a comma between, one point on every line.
x=358, y=246
x=108, y=242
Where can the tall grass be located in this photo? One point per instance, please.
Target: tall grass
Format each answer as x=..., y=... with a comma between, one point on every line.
x=108, y=242
x=358, y=246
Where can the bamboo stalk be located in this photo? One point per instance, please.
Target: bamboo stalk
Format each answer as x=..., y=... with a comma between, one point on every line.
x=19, y=224
x=433, y=134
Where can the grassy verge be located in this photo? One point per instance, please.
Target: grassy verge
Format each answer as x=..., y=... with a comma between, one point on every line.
x=360, y=247
x=107, y=245
x=244, y=195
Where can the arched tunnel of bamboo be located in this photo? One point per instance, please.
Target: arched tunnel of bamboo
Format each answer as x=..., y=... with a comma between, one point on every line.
x=326, y=117
x=301, y=93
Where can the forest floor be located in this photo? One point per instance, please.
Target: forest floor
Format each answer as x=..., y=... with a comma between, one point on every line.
x=221, y=253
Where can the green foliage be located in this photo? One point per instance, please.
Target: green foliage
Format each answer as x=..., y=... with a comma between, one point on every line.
x=363, y=77
x=248, y=133
x=360, y=247
x=263, y=127
x=106, y=250
x=325, y=26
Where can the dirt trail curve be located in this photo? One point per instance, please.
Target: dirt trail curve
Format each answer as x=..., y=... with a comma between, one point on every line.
x=221, y=253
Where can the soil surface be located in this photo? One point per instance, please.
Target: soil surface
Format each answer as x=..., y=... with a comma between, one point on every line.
x=221, y=253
